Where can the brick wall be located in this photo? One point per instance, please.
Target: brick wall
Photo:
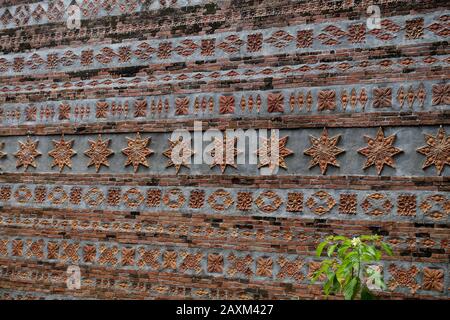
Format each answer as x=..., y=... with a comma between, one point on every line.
x=365, y=113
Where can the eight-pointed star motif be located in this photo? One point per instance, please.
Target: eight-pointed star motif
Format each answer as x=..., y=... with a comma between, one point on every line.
x=99, y=152
x=380, y=151
x=229, y=153
x=137, y=152
x=185, y=153
x=27, y=153
x=323, y=151
x=62, y=153
x=264, y=152
x=437, y=150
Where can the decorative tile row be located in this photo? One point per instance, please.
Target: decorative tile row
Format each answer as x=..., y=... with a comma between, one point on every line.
x=293, y=39
x=192, y=230
x=231, y=264
x=145, y=288
x=432, y=278
x=55, y=11
x=323, y=152
x=13, y=42
x=9, y=294
x=410, y=205
x=407, y=96
x=259, y=266
x=393, y=65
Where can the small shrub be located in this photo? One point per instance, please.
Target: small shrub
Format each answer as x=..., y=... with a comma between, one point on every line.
x=349, y=264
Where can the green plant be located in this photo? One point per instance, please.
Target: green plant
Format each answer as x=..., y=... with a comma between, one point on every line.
x=348, y=265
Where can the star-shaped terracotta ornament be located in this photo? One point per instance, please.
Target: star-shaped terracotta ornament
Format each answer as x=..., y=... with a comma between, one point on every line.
x=264, y=152
x=323, y=151
x=437, y=150
x=228, y=154
x=137, y=152
x=27, y=153
x=62, y=153
x=380, y=151
x=99, y=152
x=183, y=157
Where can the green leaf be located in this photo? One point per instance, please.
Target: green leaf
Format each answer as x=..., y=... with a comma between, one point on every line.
x=326, y=264
x=378, y=255
x=341, y=276
x=324, y=268
x=348, y=277
x=387, y=248
x=340, y=238
x=351, y=256
x=320, y=248
x=316, y=275
x=347, y=242
x=380, y=284
x=331, y=285
x=331, y=249
x=348, y=265
x=336, y=286
x=371, y=250
x=342, y=251
x=370, y=237
x=349, y=289
x=366, y=257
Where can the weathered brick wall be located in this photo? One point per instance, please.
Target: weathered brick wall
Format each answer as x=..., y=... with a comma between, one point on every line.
x=210, y=232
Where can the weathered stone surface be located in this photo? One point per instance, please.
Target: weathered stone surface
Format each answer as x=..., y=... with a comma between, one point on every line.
x=363, y=120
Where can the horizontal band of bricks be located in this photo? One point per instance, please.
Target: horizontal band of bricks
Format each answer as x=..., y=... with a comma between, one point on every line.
x=418, y=206
x=339, y=120
x=227, y=17
x=360, y=182
x=247, y=156
x=229, y=45
x=11, y=292
x=28, y=13
x=428, y=242
x=368, y=98
x=45, y=12
x=208, y=233
x=225, y=264
x=410, y=59
x=120, y=286
x=317, y=72
x=101, y=284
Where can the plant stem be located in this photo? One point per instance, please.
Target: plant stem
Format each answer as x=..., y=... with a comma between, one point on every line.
x=359, y=263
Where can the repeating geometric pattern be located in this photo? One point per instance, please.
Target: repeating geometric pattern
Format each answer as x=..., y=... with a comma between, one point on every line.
x=57, y=10
x=429, y=96
x=228, y=45
x=399, y=205
x=229, y=264
x=319, y=150
x=406, y=95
